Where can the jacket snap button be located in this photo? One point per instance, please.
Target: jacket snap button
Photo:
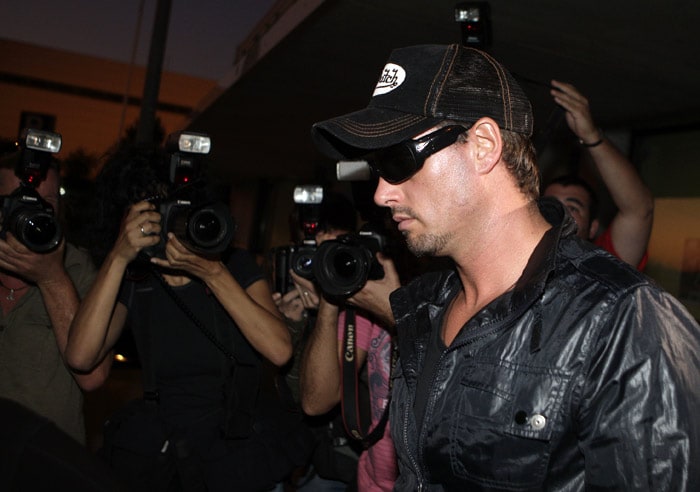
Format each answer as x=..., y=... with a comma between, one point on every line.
x=538, y=421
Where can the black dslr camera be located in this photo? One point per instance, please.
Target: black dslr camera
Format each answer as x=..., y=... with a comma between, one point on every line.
x=299, y=257
x=25, y=213
x=205, y=228
x=203, y=225
x=343, y=265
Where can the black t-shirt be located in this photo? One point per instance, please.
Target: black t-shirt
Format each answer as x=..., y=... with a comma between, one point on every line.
x=193, y=379
x=188, y=367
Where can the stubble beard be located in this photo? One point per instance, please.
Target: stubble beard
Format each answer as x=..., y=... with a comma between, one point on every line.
x=427, y=244
x=422, y=244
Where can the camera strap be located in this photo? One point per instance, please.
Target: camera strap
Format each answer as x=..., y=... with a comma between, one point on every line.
x=183, y=306
x=150, y=389
x=143, y=339
x=350, y=397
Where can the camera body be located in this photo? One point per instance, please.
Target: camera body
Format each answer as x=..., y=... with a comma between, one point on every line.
x=302, y=259
x=25, y=214
x=298, y=258
x=30, y=219
x=204, y=227
x=342, y=266
x=278, y=262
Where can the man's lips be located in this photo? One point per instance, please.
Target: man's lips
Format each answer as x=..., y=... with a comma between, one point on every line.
x=403, y=221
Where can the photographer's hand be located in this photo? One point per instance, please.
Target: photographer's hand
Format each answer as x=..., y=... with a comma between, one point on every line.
x=58, y=293
x=374, y=296
x=178, y=257
x=32, y=267
x=307, y=291
x=290, y=304
x=140, y=229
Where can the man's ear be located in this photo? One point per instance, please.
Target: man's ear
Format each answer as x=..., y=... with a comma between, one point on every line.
x=593, y=229
x=488, y=144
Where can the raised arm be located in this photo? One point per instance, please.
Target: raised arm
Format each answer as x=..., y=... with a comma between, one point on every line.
x=100, y=318
x=631, y=226
x=320, y=380
x=59, y=295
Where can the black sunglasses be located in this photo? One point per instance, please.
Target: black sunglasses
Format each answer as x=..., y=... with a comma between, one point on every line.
x=401, y=161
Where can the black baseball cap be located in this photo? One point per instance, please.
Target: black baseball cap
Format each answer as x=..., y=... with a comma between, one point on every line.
x=421, y=86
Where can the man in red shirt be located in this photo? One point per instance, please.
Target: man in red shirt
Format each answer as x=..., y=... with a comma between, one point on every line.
x=627, y=236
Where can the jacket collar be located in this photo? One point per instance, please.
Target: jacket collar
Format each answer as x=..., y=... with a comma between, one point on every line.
x=421, y=297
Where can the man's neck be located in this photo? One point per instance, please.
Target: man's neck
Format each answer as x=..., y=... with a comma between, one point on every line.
x=492, y=265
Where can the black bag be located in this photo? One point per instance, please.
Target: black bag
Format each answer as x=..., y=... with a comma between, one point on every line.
x=336, y=455
x=255, y=410
x=136, y=446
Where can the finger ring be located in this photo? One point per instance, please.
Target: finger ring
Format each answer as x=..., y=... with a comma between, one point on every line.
x=306, y=293
x=142, y=231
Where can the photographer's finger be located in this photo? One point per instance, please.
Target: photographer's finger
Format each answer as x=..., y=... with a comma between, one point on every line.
x=139, y=212
x=291, y=295
x=309, y=299
x=159, y=261
x=304, y=295
x=139, y=231
x=176, y=245
x=15, y=245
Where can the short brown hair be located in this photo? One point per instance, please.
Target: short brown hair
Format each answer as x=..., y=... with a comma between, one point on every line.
x=520, y=158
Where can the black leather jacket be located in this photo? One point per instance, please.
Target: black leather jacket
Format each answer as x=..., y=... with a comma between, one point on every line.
x=585, y=376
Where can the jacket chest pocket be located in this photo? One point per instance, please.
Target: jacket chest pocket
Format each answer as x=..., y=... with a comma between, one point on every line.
x=505, y=421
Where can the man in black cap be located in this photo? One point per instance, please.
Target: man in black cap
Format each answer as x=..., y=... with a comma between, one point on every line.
x=539, y=362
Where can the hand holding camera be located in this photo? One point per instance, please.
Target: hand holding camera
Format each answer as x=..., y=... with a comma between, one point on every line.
x=306, y=288
x=140, y=229
x=31, y=266
x=179, y=257
x=204, y=227
x=374, y=295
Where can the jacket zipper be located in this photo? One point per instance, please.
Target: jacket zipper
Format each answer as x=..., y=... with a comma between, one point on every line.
x=414, y=462
x=431, y=403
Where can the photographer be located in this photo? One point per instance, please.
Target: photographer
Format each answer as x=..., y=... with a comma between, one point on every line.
x=320, y=379
x=39, y=295
x=216, y=424
x=333, y=463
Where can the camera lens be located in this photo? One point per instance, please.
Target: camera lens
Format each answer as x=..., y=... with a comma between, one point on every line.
x=205, y=228
x=30, y=219
x=302, y=264
x=37, y=230
x=345, y=265
x=341, y=269
x=302, y=260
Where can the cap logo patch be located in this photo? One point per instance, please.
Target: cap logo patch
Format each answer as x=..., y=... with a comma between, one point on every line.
x=392, y=77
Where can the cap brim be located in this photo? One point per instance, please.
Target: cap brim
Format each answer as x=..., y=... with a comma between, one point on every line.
x=356, y=134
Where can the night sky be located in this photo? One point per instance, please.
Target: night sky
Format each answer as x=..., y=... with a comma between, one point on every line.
x=202, y=37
